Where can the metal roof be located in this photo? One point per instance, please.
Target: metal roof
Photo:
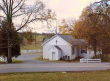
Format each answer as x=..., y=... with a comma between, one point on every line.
x=66, y=37
x=69, y=39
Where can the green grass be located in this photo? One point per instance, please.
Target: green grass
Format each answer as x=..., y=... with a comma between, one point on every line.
x=32, y=47
x=16, y=61
x=40, y=58
x=13, y=61
x=39, y=39
x=57, y=76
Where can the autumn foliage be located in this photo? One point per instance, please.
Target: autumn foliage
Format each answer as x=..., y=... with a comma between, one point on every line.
x=66, y=27
x=94, y=26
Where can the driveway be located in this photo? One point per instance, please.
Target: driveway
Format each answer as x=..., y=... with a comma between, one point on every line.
x=30, y=59
x=31, y=65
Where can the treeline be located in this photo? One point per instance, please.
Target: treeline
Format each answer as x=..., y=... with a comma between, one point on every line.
x=93, y=26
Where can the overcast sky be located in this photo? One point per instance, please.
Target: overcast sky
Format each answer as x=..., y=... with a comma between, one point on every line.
x=66, y=9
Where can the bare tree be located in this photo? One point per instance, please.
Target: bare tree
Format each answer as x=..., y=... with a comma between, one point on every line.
x=13, y=9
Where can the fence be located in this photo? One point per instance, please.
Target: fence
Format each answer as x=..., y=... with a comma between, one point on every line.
x=89, y=60
x=31, y=51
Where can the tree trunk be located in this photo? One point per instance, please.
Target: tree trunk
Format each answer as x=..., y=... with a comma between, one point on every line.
x=95, y=52
x=102, y=57
x=9, y=25
x=106, y=57
x=9, y=55
x=9, y=49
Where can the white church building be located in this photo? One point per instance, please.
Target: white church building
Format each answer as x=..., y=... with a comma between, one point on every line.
x=64, y=47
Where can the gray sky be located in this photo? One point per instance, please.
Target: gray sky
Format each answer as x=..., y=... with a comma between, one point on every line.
x=66, y=9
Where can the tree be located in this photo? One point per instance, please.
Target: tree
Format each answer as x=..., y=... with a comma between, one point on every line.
x=15, y=40
x=13, y=9
x=93, y=26
x=66, y=27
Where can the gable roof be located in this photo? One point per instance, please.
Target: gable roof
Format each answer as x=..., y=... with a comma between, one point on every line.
x=67, y=39
x=75, y=41
x=45, y=40
x=57, y=47
x=78, y=41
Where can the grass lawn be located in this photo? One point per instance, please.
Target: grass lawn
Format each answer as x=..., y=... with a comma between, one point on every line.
x=16, y=61
x=32, y=47
x=39, y=39
x=40, y=58
x=57, y=76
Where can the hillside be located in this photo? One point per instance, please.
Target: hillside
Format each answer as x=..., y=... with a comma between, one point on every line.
x=39, y=39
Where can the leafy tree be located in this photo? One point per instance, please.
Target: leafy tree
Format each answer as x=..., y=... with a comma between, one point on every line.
x=66, y=27
x=14, y=9
x=15, y=40
x=93, y=26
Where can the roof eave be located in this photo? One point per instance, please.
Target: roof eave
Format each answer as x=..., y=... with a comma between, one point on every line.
x=48, y=40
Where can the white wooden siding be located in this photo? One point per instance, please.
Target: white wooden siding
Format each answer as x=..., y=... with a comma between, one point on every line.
x=90, y=54
x=55, y=56
x=60, y=41
x=73, y=56
x=46, y=51
x=66, y=50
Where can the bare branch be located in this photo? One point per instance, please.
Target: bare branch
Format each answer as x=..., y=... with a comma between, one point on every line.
x=18, y=9
x=3, y=9
x=18, y=4
x=36, y=19
x=25, y=22
x=5, y=3
x=2, y=17
x=17, y=15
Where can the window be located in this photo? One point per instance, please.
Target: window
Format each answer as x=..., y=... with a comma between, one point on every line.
x=73, y=50
x=83, y=50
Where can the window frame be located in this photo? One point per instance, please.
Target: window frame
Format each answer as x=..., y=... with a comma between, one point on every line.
x=83, y=50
